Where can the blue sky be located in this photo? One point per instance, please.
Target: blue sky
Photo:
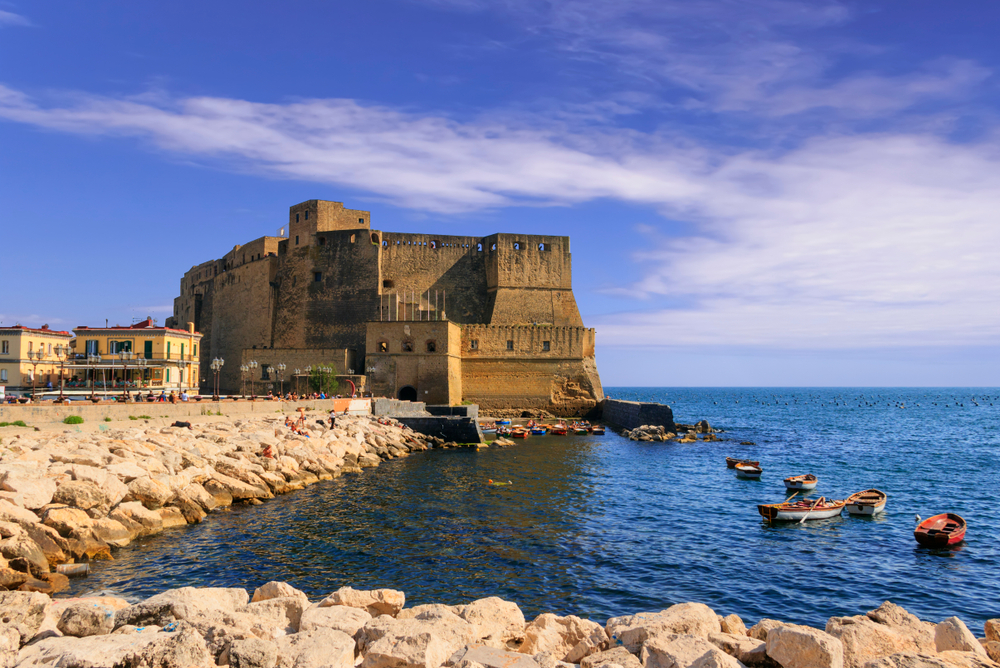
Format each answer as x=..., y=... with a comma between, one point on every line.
x=765, y=193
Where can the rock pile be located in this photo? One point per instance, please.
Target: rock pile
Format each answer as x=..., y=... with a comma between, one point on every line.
x=685, y=433
x=72, y=497
x=279, y=627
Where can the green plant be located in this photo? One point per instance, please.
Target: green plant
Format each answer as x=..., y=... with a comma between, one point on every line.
x=219, y=413
x=132, y=417
x=15, y=423
x=73, y=419
x=107, y=419
x=145, y=417
x=321, y=381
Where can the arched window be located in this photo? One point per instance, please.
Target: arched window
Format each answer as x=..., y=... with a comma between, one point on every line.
x=479, y=247
x=517, y=245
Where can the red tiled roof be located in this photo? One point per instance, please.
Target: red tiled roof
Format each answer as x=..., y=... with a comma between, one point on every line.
x=41, y=330
x=146, y=324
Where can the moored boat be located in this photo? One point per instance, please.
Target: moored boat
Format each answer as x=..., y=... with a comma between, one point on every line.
x=503, y=422
x=731, y=462
x=868, y=502
x=538, y=431
x=581, y=431
x=942, y=530
x=519, y=433
x=807, y=481
x=805, y=509
x=750, y=472
x=559, y=430
x=597, y=430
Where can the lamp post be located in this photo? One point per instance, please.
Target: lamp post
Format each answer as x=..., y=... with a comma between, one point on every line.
x=243, y=379
x=125, y=356
x=297, y=373
x=324, y=372
x=62, y=352
x=281, y=374
x=35, y=356
x=309, y=371
x=216, y=367
x=141, y=363
x=252, y=365
x=93, y=359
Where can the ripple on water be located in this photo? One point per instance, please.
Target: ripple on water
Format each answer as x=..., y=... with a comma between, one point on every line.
x=601, y=526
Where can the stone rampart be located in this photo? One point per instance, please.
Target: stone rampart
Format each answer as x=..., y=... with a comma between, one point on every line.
x=457, y=429
x=396, y=407
x=632, y=414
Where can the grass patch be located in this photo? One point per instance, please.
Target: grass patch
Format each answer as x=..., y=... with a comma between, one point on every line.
x=107, y=419
x=145, y=417
x=73, y=419
x=132, y=417
x=15, y=423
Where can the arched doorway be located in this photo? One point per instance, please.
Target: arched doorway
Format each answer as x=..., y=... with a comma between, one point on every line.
x=407, y=393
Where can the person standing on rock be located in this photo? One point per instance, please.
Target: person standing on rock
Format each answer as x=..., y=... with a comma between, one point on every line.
x=333, y=418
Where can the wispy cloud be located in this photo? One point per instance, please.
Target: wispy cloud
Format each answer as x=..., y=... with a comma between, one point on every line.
x=12, y=19
x=843, y=241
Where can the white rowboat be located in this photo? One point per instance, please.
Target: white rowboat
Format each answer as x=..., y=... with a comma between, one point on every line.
x=868, y=502
x=807, y=481
x=749, y=472
x=797, y=511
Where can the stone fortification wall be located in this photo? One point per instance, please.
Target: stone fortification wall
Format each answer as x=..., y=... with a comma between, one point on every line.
x=632, y=414
x=456, y=429
x=395, y=407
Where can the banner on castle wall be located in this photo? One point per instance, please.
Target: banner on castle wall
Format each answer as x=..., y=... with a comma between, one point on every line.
x=353, y=406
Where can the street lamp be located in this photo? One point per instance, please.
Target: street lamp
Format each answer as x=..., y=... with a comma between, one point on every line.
x=62, y=352
x=324, y=372
x=309, y=371
x=297, y=373
x=243, y=379
x=141, y=364
x=93, y=359
x=216, y=367
x=125, y=356
x=281, y=373
x=35, y=356
x=253, y=369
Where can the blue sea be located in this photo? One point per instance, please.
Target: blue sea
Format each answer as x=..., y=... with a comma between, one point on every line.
x=603, y=526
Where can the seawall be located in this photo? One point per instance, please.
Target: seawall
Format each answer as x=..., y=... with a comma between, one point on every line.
x=632, y=414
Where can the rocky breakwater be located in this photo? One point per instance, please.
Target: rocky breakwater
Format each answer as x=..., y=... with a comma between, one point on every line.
x=683, y=433
x=71, y=497
x=279, y=627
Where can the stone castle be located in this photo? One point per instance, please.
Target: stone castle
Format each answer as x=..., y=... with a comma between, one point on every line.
x=441, y=319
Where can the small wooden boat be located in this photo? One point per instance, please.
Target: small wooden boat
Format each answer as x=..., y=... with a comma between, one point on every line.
x=750, y=472
x=731, y=463
x=807, y=481
x=489, y=430
x=558, y=431
x=941, y=530
x=868, y=502
x=538, y=431
x=581, y=431
x=797, y=511
x=519, y=433
x=597, y=430
x=503, y=422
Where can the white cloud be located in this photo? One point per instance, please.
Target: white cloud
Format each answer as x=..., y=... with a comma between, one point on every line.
x=877, y=239
x=12, y=19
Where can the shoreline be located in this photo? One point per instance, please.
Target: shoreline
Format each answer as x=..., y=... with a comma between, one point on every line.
x=279, y=626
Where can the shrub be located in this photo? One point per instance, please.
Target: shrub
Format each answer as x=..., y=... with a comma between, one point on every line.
x=132, y=417
x=145, y=417
x=15, y=423
x=73, y=419
x=107, y=419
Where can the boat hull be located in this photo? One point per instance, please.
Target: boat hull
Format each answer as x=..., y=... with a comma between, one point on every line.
x=748, y=474
x=733, y=463
x=775, y=513
x=864, y=509
x=801, y=485
x=939, y=531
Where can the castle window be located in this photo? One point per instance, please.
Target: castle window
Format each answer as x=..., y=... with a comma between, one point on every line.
x=352, y=238
x=307, y=215
x=479, y=247
x=493, y=247
x=361, y=221
x=384, y=243
x=510, y=345
x=517, y=245
x=545, y=346
x=375, y=239
x=296, y=220
x=544, y=247
x=474, y=344
x=431, y=346
x=388, y=284
x=383, y=346
x=322, y=241
x=407, y=346
x=318, y=276
x=434, y=244
x=296, y=240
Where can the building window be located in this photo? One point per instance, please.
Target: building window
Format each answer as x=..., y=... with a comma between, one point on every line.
x=407, y=346
x=383, y=346
x=361, y=221
x=3, y=375
x=388, y=284
x=434, y=244
x=307, y=215
x=166, y=374
x=510, y=345
x=5, y=347
x=92, y=348
x=517, y=245
x=479, y=247
x=544, y=247
x=31, y=346
x=50, y=349
x=318, y=276
x=115, y=347
x=194, y=350
x=493, y=247
x=296, y=220
x=545, y=346
x=352, y=238
x=322, y=241
x=265, y=372
x=296, y=240
x=474, y=344
x=431, y=346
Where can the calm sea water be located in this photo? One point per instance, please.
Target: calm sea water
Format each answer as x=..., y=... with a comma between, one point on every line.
x=601, y=526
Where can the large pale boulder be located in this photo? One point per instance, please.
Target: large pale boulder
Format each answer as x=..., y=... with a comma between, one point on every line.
x=285, y=611
x=760, y=630
x=795, y=646
x=82, y=494
x=237, y=489
x=183, y=648
x=684, y=618
x=316, y=648
x=23, y=548
x=568, y=638
x=24, y=611
x=86, y=619
x=197, y=493
x=748, y=651
x=112, y=532
x=618, y=656
x=499, y=621
x=992, y=648
x=66, y=520
x=151, y=493
x=48, y=539
x=181, y=603
x=992, y=629
x=171, y=517
x=375, y=601
x=337, y=617
x=276, y=589
x=953, y=634
x=733, y=624
x=253, y=653
x=386, y=642
x=114, y=489
x=949, y=659
x=34, y=490
x=10, y=641
x=684, y=651
x=491, y=657
x=139, y=520
x=865, y=639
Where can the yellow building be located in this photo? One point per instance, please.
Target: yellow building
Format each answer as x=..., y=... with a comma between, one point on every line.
x=142, y=356
x=19, y=356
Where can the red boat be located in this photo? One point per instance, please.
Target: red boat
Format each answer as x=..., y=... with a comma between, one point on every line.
x=519, y=433
x=941, y=530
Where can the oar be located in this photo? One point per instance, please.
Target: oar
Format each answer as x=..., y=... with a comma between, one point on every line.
x=820, y=499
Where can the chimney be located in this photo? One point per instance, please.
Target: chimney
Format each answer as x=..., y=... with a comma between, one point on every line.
x=191, y=327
